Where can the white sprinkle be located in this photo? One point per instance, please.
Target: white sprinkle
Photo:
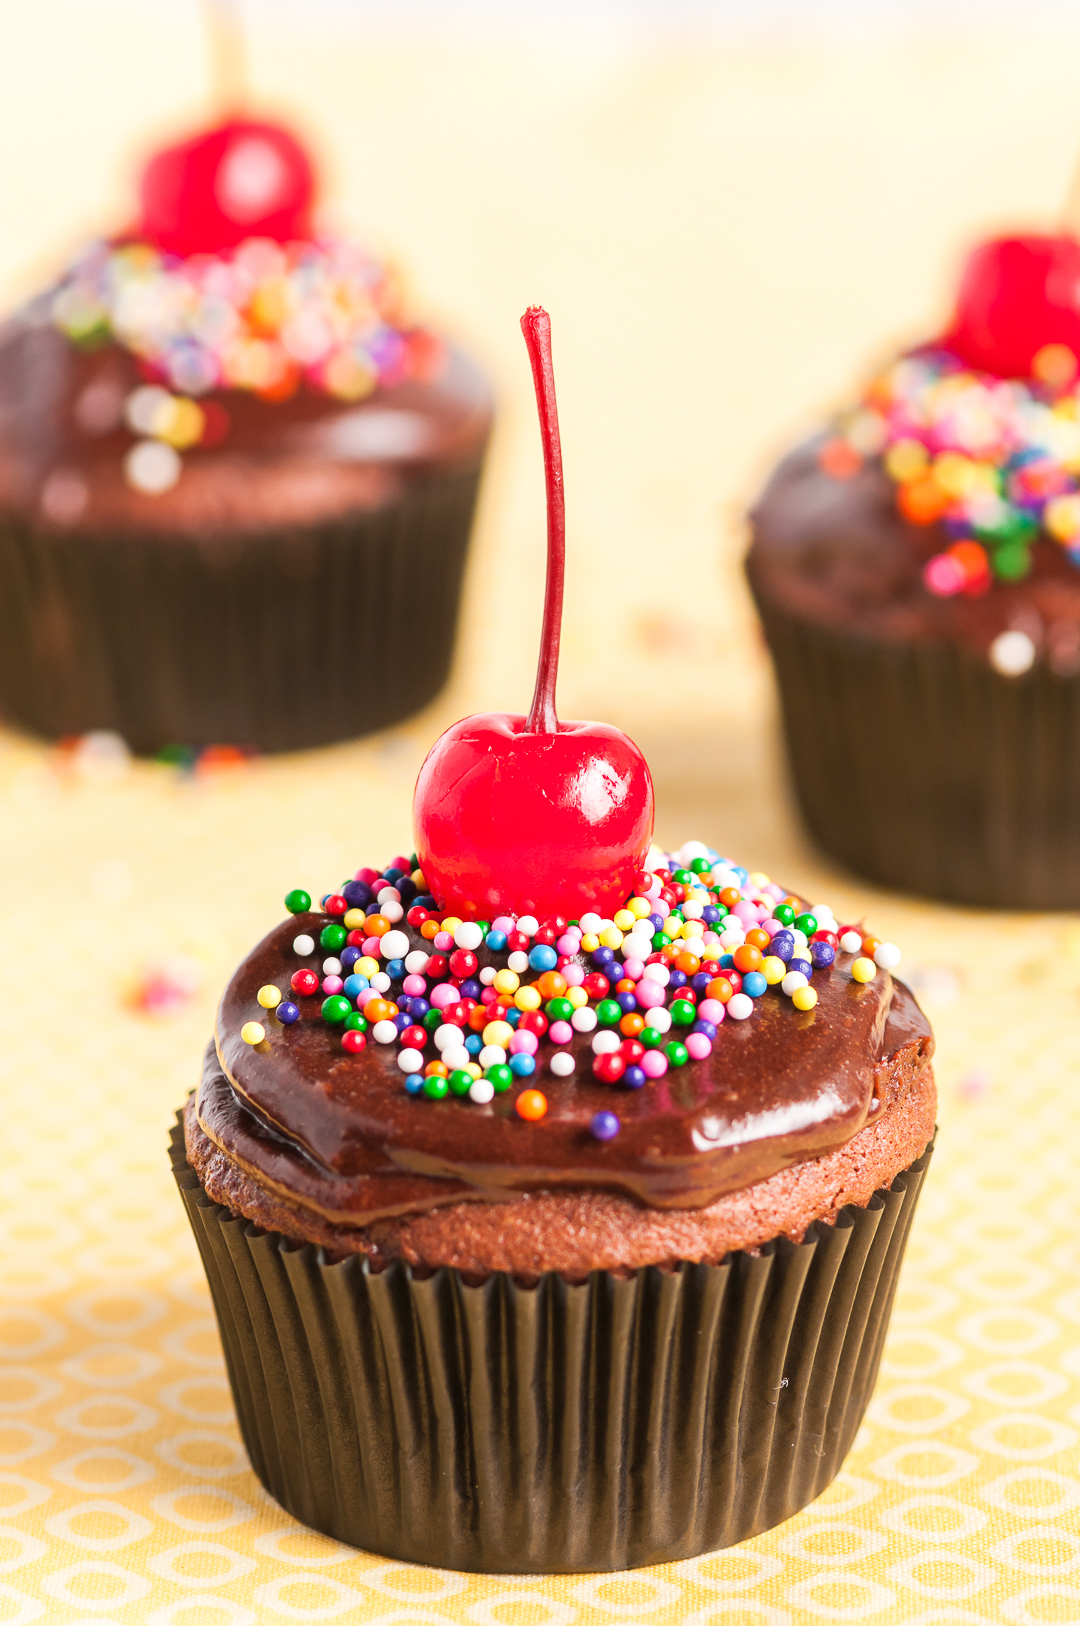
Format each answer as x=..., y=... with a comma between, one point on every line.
x=468, y=935
x=562, y=1064
x=381, y=982
x=146, y=407
x=692, y=909
x=416, y=961
x=449, y=1033
x=303, y=944
x=384, y=1032
x=659, y=1019
x=152, y=467
x=739, y=1007
x=851, y=942
x=887, y=955
x=394, y=945
x=392, y=911
x=387, y=895
x=481, y=1090
x=731, y=939
x=583, y=1019
x=518, y=961
x=409, y=1060
x=793, y=980
x=605, y=1043
x=591, y=922
x=456, y=1055
x=691, y=850
x=331, y=966
x=658, y=972
x=492, y=1055
x=1012, y=653
x=488, y=974
x=528, y=924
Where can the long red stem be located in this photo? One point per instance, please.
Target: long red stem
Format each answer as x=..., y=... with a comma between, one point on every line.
x=536, y=326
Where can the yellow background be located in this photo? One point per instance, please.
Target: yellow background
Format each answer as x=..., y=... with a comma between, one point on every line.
x=727, y=229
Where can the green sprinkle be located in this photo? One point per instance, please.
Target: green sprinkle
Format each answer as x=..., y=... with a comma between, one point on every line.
x=297, y=901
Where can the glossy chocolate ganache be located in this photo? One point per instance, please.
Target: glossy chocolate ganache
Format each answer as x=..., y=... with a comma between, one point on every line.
x=793, y=1113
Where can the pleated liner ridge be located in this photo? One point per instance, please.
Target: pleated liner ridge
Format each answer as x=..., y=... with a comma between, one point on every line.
x=283, y=641
x=559, y=1428
x=924, y=769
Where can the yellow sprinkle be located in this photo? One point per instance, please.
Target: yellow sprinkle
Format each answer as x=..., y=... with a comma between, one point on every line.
x=253, y=1033
x=804, y=999
x=501, y=1033
x=451, y=924
x=366, y=966
x=590, y=943
x=611, y=937
x=506, y=982
x=268, y=996
x=624, y=919
x=773, y=969
x=906, y=459
x=759, y=878
x=528, y=999
x=639, y=908
x=354, y=918
x=577, y=997
x=863, y=970
x=474, y=1071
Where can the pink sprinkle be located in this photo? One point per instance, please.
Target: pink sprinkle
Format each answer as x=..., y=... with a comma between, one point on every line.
x=635, y=969
x=366, y=995
x=567, y=944
x=415, y=986
x=444, y=993
x=771, y=926
x=370, y=946
x=771, y=890
x=443, y=941
x=711, y=1010
x=746, y=912
x=699, y=1045
x=943, y=575
x=561, y=1032
x=488, y=996
x=503, y=923
x=655, y=889
x=332, y=985
x=654, y=1064
x=524, y=1043
x=574, y=975
x=648, y=993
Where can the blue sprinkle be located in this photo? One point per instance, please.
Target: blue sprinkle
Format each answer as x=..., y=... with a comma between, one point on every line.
x=357, y=894
x=707, y=1028
x=287, y=1012
x=423, y=900
x=677, y=979
x=521, y=1065
x=633, y=1078
x=414, y=1083
x=626, y=1001
x=495, y=941
x=782, y=944
x=513, y=1016
x=754, y=984
x=727, y=962
x=543, y=957
x=401, y=1021
x=605, y=1125
x=656, y=922
x=799, y=962
x=473, y=1044
x=601, y=956
x=822, y=954
x=471, y=989
x=349, y=957
x=395, y=970
x=354, y=985
x=392, y=875
x=700, y=981
x=711, y=914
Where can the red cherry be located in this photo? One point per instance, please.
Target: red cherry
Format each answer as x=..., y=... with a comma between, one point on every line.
x=1016, y=295
x=609, y=1068
x=244, y=178
x=527, y=814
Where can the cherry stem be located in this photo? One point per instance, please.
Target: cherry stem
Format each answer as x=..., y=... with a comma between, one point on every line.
x=536, y=326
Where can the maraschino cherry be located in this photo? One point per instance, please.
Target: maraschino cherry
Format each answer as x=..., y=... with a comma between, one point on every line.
x=243, y=178
x=1017, y=296
x=529, y=815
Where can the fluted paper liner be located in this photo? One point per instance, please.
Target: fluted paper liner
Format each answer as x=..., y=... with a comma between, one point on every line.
x=558, y=1428
x=272, y=641
x=924, y=769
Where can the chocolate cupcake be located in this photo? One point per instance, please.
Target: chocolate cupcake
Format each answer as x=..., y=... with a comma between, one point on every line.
x=917, y=572
x=229, y=459
x=552, y=1192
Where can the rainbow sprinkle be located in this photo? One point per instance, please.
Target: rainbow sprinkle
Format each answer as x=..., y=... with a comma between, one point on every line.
x=995, y=461
x=698, y=943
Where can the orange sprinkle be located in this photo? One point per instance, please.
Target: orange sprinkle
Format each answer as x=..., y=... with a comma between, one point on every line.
x=551, y=985
x=839, y=458
x=747, y=957
x=758, y=939
x=922, y=501
x=632, y=1024
x=531, y=1105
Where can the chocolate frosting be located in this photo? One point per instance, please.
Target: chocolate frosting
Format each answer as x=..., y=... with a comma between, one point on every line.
x=338, y=1134
x=839, y=553
x=309, y=458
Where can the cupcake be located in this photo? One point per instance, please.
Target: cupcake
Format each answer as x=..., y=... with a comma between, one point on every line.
x=916, y=567
x=233, y=472
x=552, y=1197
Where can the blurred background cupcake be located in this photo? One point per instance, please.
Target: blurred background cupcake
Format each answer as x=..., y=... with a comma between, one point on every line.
x=234, y=469
x=917, y=570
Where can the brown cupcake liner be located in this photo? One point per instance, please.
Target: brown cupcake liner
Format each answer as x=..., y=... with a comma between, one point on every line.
x=275, y=642
x=925, y=770
x=556, y=1428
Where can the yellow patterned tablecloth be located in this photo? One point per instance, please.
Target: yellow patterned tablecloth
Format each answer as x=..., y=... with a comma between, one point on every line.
x=722, y=229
